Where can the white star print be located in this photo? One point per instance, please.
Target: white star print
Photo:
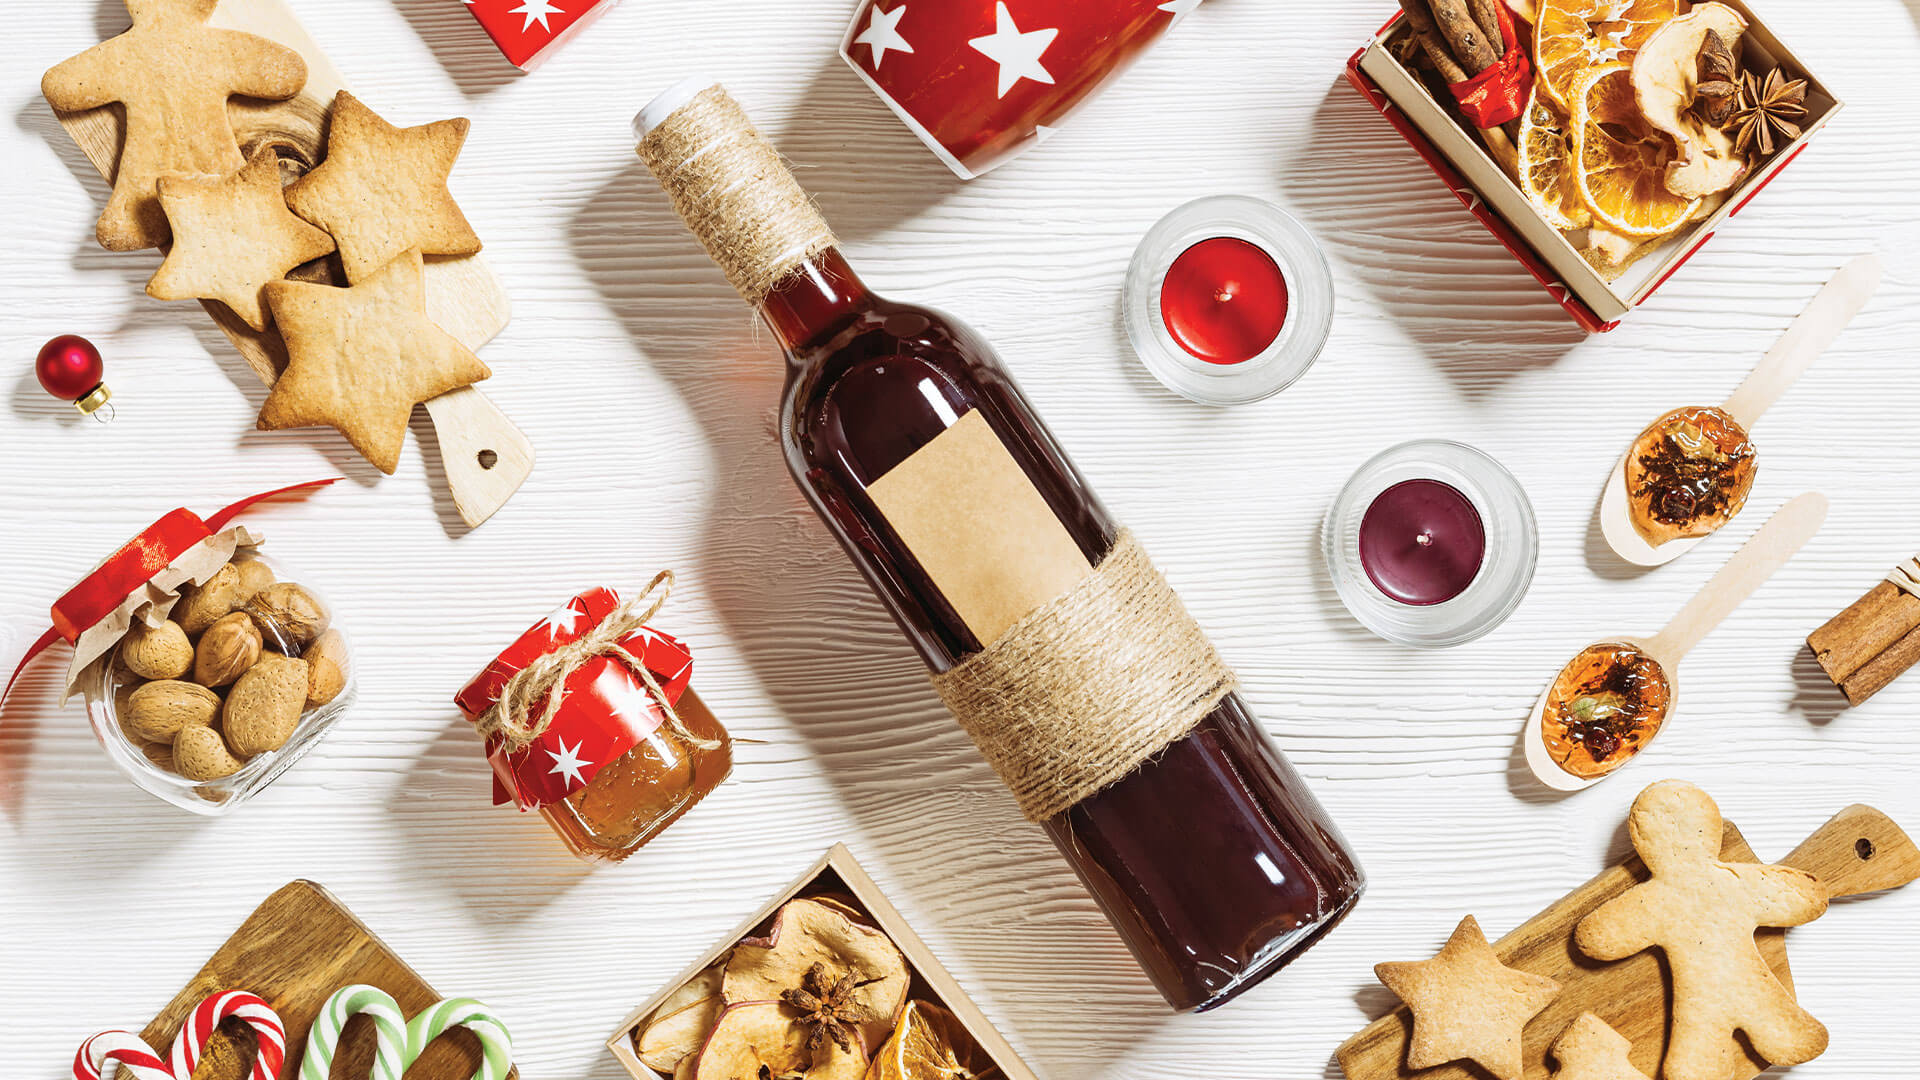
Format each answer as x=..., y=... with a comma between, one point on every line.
x=1017, y=54
x=563, y=620
x=536, y=11
x=568, y=763
x=1179, y=7
x=1042, y=132
x=883, y=33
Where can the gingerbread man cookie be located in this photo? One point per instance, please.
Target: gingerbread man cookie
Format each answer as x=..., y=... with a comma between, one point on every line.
x=173, y=74
x=1467, y=1004
x=1702, y=913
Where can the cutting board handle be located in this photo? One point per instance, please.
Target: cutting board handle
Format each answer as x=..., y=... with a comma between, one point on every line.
x=486, y=457
x=1860, y=850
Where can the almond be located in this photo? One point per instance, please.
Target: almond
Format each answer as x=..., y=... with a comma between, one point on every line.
x=263, y=708
x=229, y=647
x=199, y=754
x=326, y=668
x=289, y=616
x=156, y=652
x=201, y=605
x=254, y=576
x=158, y=710
x=161, y=754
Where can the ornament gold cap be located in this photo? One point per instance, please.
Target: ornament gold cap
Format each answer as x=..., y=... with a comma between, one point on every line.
x=93, y=399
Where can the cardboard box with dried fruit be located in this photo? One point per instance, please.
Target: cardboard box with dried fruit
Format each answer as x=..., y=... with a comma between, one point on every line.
x=1639, y=128
x=827, y=982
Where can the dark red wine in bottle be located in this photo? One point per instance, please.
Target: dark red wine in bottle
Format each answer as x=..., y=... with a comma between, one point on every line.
x=1212, y=859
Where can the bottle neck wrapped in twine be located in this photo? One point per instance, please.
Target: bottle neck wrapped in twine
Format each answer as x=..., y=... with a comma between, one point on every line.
x=511, y=718
x=735, y=192
x=1088, y=686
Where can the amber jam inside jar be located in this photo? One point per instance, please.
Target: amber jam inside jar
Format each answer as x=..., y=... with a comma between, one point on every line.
x=634, y=797
x=1688, y=474
x=1605, y=706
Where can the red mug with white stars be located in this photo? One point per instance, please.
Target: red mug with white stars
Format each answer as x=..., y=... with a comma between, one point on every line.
x=981, y=81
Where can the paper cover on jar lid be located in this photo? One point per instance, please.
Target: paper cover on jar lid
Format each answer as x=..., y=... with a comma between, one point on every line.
x=529, y=31
x=606, y=711
x=147, y=571
x=982, y=81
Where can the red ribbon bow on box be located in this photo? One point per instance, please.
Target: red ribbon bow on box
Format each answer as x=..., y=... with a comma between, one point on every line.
x=606, y=709
x=1498, y=94
x=153, y=550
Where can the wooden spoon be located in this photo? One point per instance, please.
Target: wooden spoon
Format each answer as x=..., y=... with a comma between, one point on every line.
x=1769, y=549
x=1831, y=309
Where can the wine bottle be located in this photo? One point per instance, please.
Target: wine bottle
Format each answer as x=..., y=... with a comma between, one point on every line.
x=913, y=443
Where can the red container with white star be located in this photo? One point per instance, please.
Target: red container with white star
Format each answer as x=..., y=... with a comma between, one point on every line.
x=620, y=760
x=528, y=31
x=981, y=81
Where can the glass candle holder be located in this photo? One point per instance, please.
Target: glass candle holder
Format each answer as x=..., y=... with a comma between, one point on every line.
x=1228, y=300
x=1431, y=544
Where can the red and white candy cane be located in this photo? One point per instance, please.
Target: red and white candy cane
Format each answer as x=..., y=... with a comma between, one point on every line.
x=138, y=1061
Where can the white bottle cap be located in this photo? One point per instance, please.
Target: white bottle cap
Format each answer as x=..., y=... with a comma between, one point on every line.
x=669, y=102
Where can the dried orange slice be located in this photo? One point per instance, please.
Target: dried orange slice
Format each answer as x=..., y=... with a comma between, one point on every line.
x=1619, y=163
x=1571, y=36
x=930, y=1044
x=1546, y=166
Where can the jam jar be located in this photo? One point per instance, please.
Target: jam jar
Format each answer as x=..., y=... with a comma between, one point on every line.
x=624, y=754
x=208, y=703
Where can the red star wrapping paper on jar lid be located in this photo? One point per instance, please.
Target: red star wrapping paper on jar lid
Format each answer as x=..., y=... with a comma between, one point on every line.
x=528, y=31
x=981, y=81
x=605, y=710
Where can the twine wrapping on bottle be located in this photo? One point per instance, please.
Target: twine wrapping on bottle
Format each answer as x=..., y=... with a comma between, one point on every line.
x=735, y=192
x=1088, y=686
x=511, y=719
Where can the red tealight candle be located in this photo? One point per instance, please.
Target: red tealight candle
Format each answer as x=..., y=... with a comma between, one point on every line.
x=1224, y=300
x=1422, y=542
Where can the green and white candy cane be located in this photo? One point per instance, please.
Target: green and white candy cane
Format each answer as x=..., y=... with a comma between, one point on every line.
x=390, y=1058
x=496, y=1046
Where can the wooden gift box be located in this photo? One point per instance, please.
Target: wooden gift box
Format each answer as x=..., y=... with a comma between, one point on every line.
x=1457, y=157
x=837, y=872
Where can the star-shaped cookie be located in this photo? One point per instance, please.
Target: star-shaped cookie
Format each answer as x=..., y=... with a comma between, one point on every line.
x=231, y=236
x=173, y=74
x=360, y=358
x=1467, y=1004
x=383, y=189
x=1591, y=1050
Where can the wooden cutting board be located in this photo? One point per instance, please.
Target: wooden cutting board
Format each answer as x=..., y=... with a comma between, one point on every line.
x=485, y=456
x=1860, y=851
x=295, y=950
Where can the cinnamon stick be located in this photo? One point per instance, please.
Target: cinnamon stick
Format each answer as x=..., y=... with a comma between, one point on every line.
x=1464, y=36
x=1876, y=638
x=1487, y=17
x=1420, y=22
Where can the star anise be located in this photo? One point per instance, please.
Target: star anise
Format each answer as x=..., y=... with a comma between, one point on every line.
x=1767, y=109
x=826, y=1008
x=1715, y=94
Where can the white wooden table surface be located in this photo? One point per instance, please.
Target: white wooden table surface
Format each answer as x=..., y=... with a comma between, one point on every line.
x=649, y=395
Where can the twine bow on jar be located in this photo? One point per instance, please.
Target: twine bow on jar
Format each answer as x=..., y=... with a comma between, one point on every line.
x=511, y=718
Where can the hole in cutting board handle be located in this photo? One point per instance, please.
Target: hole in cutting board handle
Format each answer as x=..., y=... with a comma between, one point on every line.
x=488, y=459
x=1863, y=847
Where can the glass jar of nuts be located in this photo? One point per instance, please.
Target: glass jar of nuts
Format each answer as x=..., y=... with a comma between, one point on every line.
x=209, y=703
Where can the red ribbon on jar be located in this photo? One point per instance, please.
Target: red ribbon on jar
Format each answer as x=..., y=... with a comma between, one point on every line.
x=1498, y=94
x=156, y=547
x=606, y=708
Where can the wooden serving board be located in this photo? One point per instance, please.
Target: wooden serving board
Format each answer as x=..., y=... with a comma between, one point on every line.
x=295, y=950
x=485, y=456
x=1861, y=850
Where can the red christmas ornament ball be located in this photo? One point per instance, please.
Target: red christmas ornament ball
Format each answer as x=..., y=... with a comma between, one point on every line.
x=70, y=368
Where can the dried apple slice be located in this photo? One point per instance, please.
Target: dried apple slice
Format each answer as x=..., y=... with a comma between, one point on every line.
x=749, y=1036
x=679, y=1027
x=807, y=932
x=1666, y=77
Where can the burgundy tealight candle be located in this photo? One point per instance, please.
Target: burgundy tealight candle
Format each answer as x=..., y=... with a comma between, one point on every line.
x=1422, y=542
x=1224, y=300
